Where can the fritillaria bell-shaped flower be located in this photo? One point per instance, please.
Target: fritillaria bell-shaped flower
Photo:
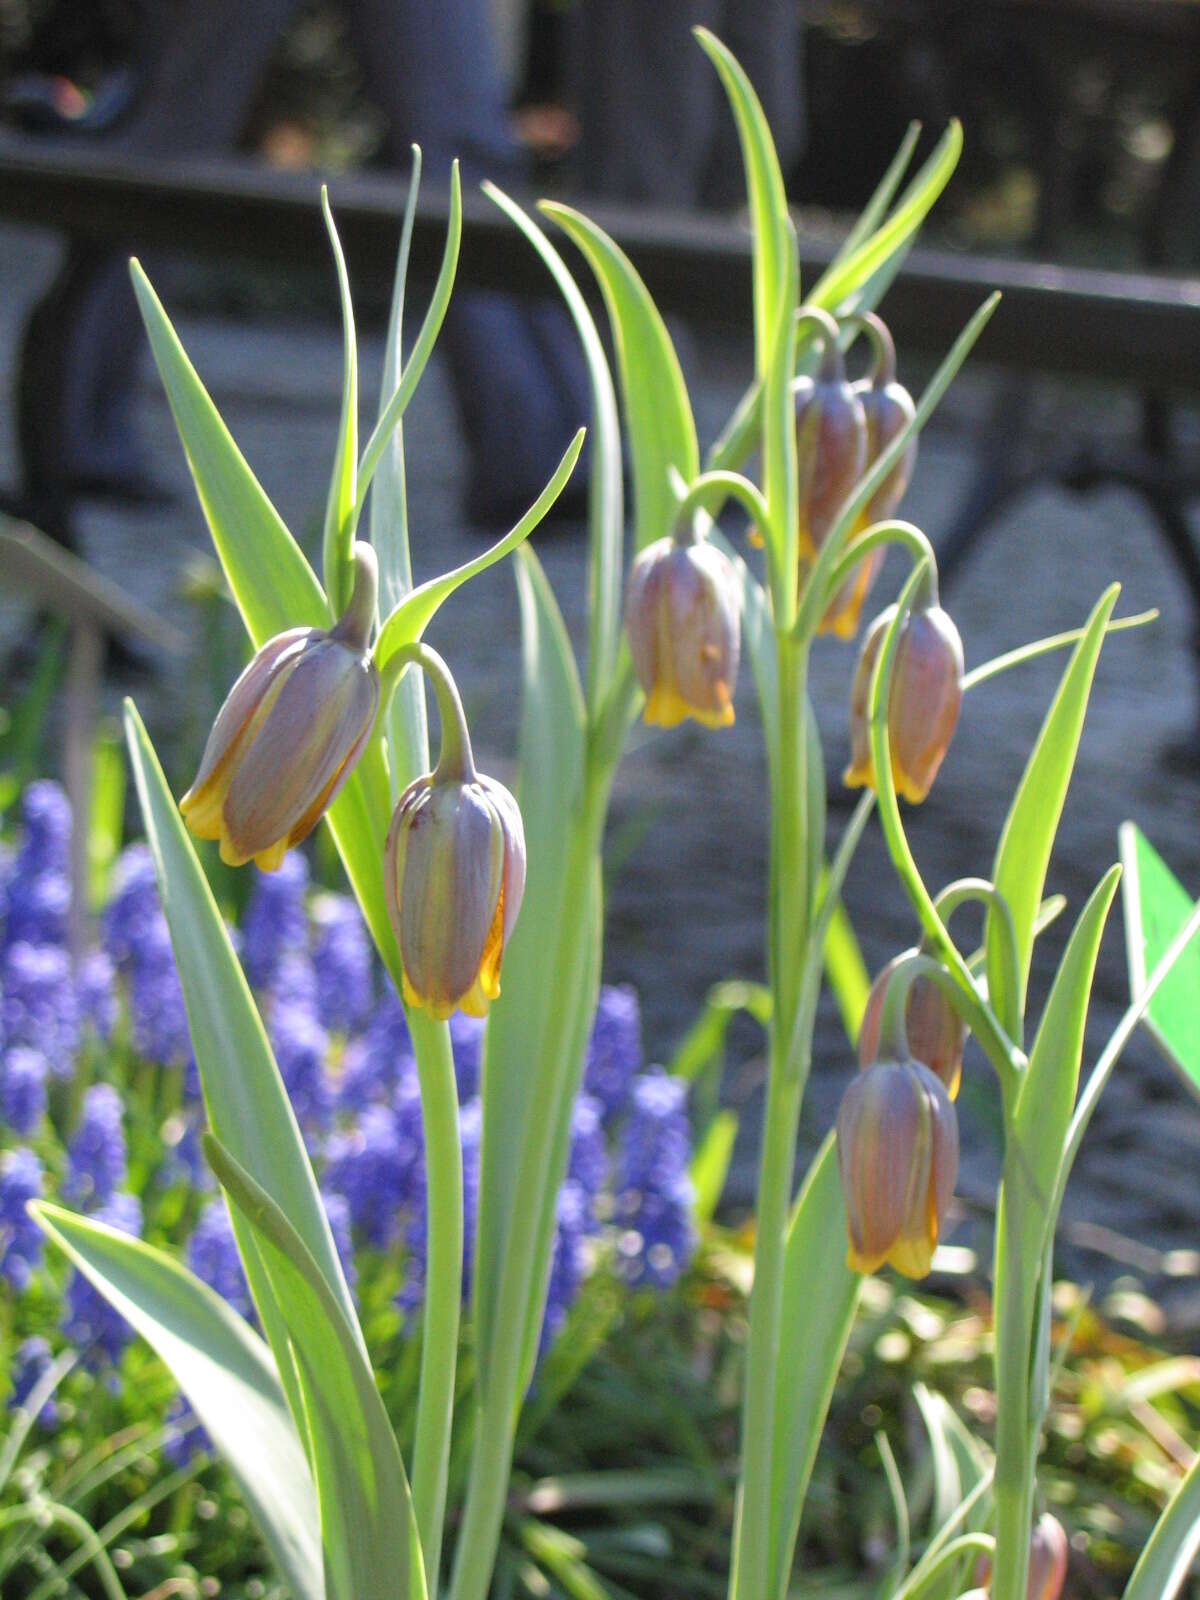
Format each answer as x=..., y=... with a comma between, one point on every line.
x=888, y=408
x=1047, y=1562
x=923, y=702
x=831, y=441
x=683, y=623
x=454, y=872
x=897, y=1144
x=289, y=734
x=936, y=1033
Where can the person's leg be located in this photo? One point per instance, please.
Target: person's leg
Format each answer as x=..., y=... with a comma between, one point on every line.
x=517, y=372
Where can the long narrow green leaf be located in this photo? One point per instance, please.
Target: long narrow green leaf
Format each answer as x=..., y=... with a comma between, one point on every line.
x=658, y=414
x=368, y=1527
x=247, y=1105
x=606, y=512
x=549, y=791
x=339, y=510
x=407, y=728
x=227, y=1374
x=1047, y=1097
x=764, y=187
x=273, y=584
x=1023, y=853
x=412, y=616
x=840, y=281
x=873, y=213
x=1172, y=1547
x=710, y=1165
x=819, y=1295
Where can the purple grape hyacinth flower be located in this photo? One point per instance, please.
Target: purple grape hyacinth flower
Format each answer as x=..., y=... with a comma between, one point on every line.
x=466, y=1043
x=376, y=1065
x=301, y=1048
x=276, y=923
x=30, y=1363
x=46, y=829
x=96, y=1154
x=23, y=1074
x=212, y=1254
x=89, y=1321
x=37, y=1004
x=653, y=1192
x=156, y=1007
x=20, y=1236
x=614, y=1052
x=342, y=959
x=190, y=1438
x=132, y=912
x=379, y=1167
x=95, y=992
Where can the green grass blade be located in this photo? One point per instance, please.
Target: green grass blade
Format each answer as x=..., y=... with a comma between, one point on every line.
x=549, y=789
x=226, y=1372
x=1172, y=1547
x=339, y=510
x=1023, y=854
x=272, y=582
x=412, y=616
x=710, y=1165
x=764, y=189
x=658, y=413
x=846, y=971
x=819, y=1295
x=605, y=512
x=246, y=1103
x=873, y=213
x=368, y=1526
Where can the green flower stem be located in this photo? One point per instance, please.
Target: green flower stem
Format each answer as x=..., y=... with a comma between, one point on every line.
x=787, y=941
x=924, y=1572
x=43, y=1512
x=892, y=532
x=1000, y=1049
x=443, y=1281
x=455, y=760
x=355, y=624
x=1016, y=1450
x=710, y=491
x=496, y=1419
x=962, y=892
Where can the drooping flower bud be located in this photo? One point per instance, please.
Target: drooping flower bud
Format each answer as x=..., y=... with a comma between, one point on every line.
x=683, y=623
x=1047, y=1563
x=897, y=1143
x=454, y=871
x=923, y=702
x=831, y=441
x=936, y=1034
x=888, y=408
x=289, y=734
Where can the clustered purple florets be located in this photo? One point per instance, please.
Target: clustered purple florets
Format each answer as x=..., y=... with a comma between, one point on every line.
x=344, y=1053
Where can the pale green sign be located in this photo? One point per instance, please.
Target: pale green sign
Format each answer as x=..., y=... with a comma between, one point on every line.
x=1156, y=907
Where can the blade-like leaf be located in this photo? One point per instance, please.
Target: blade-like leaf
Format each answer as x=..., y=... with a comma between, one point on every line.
x=273, y=584
x=819, y=1295
x=412, y=616
x=247, y=1105
x=764, y=187
x=1172, y=1547
x=606, y=512
x=406, y=722
x=710, y=1165
x=549, y=790
x=1023, y=853
x=227, y=1374
x=368, y=1527
x=339, y=509
x=658, y=414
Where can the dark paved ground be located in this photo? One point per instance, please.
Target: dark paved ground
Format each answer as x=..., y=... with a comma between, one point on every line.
x=689, y=814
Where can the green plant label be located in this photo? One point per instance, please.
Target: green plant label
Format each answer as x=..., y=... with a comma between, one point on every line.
x=1156, y=906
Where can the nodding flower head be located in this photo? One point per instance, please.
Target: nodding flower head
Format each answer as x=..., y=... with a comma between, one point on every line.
x=454, y=870
x=831, y=442
x=923, y=702
x=936, y=1033
x=1047, y=1571
x=454, y=876
x=897, y=1144
x=683, y=624
x=288, y=735
x=887, y=409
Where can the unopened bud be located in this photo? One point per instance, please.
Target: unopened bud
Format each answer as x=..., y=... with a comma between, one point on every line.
x=684, y=629
x=897, y=1143
x=923, y=701
x=1047, y=1563
x=288, y=735
x=831, y=444
x=936, y=1034
x=454, y=874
